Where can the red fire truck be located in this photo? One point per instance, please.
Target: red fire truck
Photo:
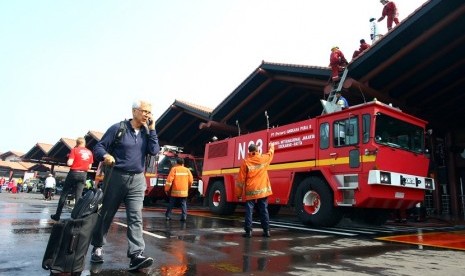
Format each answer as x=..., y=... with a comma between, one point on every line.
x=157, y=169
x=362, y=162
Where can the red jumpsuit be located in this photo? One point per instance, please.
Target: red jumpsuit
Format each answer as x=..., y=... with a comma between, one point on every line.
x=337, y=61
x=390, y=10
x=363, y=47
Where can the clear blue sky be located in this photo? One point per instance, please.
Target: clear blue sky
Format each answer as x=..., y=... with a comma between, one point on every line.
x=67, y=67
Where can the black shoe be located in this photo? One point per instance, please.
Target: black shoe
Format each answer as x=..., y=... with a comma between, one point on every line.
x=266, y=233
x=95, y=268
x=55, y=217
x=139, y=262
x=247, y=234
x=97, y=255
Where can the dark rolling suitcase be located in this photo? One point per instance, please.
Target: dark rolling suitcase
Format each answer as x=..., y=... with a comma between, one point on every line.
x=70, y=239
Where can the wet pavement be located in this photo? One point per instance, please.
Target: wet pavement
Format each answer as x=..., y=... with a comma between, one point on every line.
x=212, y=245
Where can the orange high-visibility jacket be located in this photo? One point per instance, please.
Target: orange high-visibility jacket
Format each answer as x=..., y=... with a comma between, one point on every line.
x=254, y=176
x=179, y=180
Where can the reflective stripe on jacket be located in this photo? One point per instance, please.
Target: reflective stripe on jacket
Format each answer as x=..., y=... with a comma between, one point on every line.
x=179, y=180
x=254, y=176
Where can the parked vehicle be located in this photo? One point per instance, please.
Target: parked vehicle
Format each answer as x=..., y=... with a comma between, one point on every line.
x=34, y=185
x=157, y=170
x=362, y=162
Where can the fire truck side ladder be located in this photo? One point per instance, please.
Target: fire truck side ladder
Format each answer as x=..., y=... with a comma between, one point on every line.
x=330, y=104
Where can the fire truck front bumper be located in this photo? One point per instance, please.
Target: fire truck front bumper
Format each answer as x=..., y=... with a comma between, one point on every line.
x=378, y=177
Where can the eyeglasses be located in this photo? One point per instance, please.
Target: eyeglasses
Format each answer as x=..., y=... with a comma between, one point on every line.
x=145, y=112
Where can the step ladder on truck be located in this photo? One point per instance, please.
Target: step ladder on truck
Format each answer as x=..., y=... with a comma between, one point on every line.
x=330, y=105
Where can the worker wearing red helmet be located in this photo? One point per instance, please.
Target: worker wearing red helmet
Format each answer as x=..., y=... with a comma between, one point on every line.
x=389, y=10
x=337, y=61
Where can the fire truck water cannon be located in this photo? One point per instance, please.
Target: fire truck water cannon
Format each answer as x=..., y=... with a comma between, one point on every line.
x=171, y=149
x=362, y=162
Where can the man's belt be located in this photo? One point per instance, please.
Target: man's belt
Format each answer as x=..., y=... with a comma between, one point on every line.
x=121, y=171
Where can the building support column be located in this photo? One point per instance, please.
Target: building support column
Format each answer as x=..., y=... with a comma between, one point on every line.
x=452, y=176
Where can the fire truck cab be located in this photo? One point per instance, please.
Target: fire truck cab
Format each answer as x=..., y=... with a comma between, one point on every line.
x=361, y=162
x=159, y=166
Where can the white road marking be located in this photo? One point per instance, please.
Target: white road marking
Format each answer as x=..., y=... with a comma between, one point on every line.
x=143, y=231
x=283, y=225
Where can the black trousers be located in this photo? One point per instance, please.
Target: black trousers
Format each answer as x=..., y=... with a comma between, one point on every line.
x=75, y=181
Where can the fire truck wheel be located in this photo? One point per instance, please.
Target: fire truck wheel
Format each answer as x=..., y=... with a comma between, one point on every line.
x=314, y=203
x=217, y=200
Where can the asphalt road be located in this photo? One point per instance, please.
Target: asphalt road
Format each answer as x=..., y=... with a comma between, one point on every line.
x=209, y=245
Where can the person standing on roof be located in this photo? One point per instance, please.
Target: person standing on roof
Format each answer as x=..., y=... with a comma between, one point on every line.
x=389, y=10
x=126, y=181
x=363, y=47
x=80, y=160
x=337, y=62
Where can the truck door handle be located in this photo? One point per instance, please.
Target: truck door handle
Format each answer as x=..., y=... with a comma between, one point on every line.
x=333, y=154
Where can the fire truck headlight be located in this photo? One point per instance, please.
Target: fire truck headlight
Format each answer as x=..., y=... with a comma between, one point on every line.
x=385, y=177
x=429, y=184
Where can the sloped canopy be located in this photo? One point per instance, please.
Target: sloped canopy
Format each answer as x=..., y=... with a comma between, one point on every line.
x=58, y=154
x=417, y=66
x=37, y=152
x=179, y=125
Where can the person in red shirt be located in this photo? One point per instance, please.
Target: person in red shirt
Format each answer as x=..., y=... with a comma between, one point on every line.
x=363, y=47
x=80, y=160
x=2, y=181
x=337, y=62
x=389, y=10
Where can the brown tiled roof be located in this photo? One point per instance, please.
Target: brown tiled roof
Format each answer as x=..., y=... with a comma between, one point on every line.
x=9, y=153
x=97, y=135
x=13, y=165
x=44, y=147
x=194, y=106
x=70, y=143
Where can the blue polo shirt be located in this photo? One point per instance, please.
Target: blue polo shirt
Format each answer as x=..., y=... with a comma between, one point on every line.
x=130, y=152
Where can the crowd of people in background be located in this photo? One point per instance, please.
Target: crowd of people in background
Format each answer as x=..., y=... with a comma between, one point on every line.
x=12, y=185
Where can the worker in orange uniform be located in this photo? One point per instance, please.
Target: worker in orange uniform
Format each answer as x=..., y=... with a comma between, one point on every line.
x=253, y=176
x=337, y=62
x=389, y=10
x=363, y=47
x=177, y=187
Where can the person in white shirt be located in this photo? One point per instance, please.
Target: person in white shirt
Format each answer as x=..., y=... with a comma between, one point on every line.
x=50, y=184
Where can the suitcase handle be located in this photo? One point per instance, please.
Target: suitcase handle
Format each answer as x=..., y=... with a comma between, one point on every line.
x=72, y=244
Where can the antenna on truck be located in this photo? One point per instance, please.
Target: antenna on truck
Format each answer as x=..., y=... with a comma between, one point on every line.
x=267, y=120
x=238, y=127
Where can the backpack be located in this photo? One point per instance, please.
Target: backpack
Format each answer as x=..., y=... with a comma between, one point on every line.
x=118, y=136
x=88, y=204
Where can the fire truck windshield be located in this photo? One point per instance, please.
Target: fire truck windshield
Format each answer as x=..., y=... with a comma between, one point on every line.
x=166, y=162
x=398, y=134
